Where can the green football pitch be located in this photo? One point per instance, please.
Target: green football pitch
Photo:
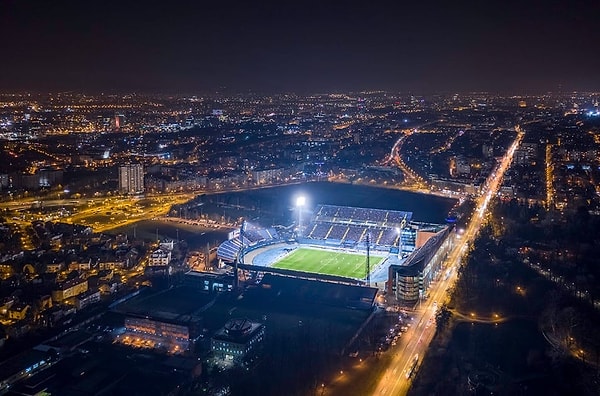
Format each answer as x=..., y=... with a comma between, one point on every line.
x=328, y=262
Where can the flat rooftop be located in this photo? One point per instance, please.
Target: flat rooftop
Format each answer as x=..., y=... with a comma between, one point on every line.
x=237, y=330
x=177, y=304
x=318, y=292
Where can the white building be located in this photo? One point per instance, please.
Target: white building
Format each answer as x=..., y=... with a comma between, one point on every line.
x=131, y=178
x=160, y=257
x=265, y=176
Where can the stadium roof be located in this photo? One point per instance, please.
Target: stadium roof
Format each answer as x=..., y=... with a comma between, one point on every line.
x=180, y=304
x=318, y=292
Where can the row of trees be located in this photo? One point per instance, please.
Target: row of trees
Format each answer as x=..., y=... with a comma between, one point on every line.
x=494, y=280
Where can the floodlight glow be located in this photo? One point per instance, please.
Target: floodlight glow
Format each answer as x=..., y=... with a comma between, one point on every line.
x=300, y=201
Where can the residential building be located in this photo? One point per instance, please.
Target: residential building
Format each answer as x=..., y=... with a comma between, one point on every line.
x=131, y=178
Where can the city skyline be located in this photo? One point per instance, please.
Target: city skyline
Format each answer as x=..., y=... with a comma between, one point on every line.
x=302, y=198
x=349, y=240
x=189, y=47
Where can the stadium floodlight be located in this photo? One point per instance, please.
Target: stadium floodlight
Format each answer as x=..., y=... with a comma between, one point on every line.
x=300, y=202
x=399, y=231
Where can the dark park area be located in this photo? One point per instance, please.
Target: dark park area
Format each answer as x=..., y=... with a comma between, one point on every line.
x=509, y=328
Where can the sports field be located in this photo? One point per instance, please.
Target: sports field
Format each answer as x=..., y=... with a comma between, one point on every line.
x=328, y=262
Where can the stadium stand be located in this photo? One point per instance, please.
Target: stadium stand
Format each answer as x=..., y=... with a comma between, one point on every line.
x=345, y=213
x=327, y=212
x=355, y=234
x=350, y=225
x=253, y=236
x=337, y=231
x=229, y=250
x=320, y=230
x=388, y=237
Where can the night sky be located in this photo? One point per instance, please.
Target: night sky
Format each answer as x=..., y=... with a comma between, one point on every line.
x=301, y=46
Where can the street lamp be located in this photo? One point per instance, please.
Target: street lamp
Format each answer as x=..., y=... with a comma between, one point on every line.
x=300, y=202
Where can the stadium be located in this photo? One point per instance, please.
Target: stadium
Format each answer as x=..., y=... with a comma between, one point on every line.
x=380, y=248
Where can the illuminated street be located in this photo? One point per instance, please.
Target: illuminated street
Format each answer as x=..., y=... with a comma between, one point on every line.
x=395, y=158
x=416, y=340
x=102, y=214
x=549, y=177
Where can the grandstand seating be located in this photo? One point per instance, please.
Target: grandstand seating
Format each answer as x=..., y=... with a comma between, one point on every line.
x=378, y=217
x=337, y=231
x=256, y=234
x=320, y=230
x=327, y=212
x=389, y=237
x=355, y=234
x=345, y=213
x=252, y=234
x=349, y=225
x=396, y=217
x=229, y=250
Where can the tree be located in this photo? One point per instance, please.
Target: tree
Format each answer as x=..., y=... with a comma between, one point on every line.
x=442, y=317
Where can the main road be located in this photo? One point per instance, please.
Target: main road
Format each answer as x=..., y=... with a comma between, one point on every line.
x=395, y=158
x=396, y=379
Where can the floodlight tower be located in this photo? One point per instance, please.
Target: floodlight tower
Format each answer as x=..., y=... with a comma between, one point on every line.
x=399, y=230
x=368, y=259
x=242, y=234
x=239, y=258
x=300, y=202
